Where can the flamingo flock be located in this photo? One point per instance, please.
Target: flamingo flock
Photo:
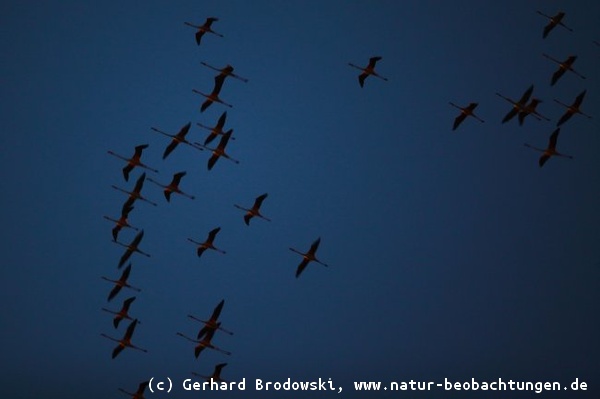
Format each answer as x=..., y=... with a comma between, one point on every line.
x=527, y=105
x=211, y=327
x=524, y=106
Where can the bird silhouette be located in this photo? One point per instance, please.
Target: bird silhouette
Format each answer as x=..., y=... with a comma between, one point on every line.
x=176, y=139
x=554, y=21
x=531, y=109
x=572, y=109
x=225, y=71
x=518, y=106
x=367, y=71
x=255, y=210
x=220, y=150
x=131, y=248
x=202, y=29
x=216, y=130
x=134, y=161
x=208, y=244
x=123, y=313
x=566, y=65
x=125, y=342
x=308, y=257
x=120, y=283
x=122, y=222
x=214, y=94
x=464, y=112
x=204, y=343
x=135, y=194
x=173, y=187
x=212, y=323
x=550, y=151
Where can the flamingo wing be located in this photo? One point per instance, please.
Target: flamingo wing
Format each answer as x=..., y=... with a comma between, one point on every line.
x=172, y=145
x=212, y=161
x=459, y=119
x=217, y=311
x=579, y=99
x=206, y=104
x=184, y=130
x=543, y=159
x=553, y=139
x=127, y=303
x=113, y=293
x=213, y=233
x=117, y=320
x=314, y=246
x=117, y=350
x=511, y=114
x=559, y=72
x=301, y=267
x=126, y=170
x=566, y=116
x=526, y=95
x=200, y=251
x=199, y=35
x=361, y=79
x=222, y=120
x=259, y=200
x=139, y=184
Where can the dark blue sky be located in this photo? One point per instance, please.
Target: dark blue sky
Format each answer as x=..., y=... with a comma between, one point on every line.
x=452, y=254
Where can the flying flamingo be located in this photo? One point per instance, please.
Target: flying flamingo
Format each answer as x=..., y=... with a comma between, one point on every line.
x=308, y=256
x=125, y=342
x=368, y=70
x=518, y=106
x=225, y=71
x=216, y=375
x=555, y=20
x=220, y=150
x=123, y=313
x=566, y=65
x=208, y=244
x=216, y=130
x=122, y=222
x=572, y=109
x=176, y=139
x=531, y=109
x=120, y=283
x=136, y=194
x=464, y=112
x=139, y=394
x=551, y=150
x=255, y=210
x=133, y=161
x=204, y=343
x=204, y=28
x=131, y=248
x=211, y=324
x=173, y=187
x=214, y=94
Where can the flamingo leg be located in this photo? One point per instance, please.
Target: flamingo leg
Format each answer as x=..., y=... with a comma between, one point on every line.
x=478, y=118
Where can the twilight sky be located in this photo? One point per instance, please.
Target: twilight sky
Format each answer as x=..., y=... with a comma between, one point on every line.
x=451, y=254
